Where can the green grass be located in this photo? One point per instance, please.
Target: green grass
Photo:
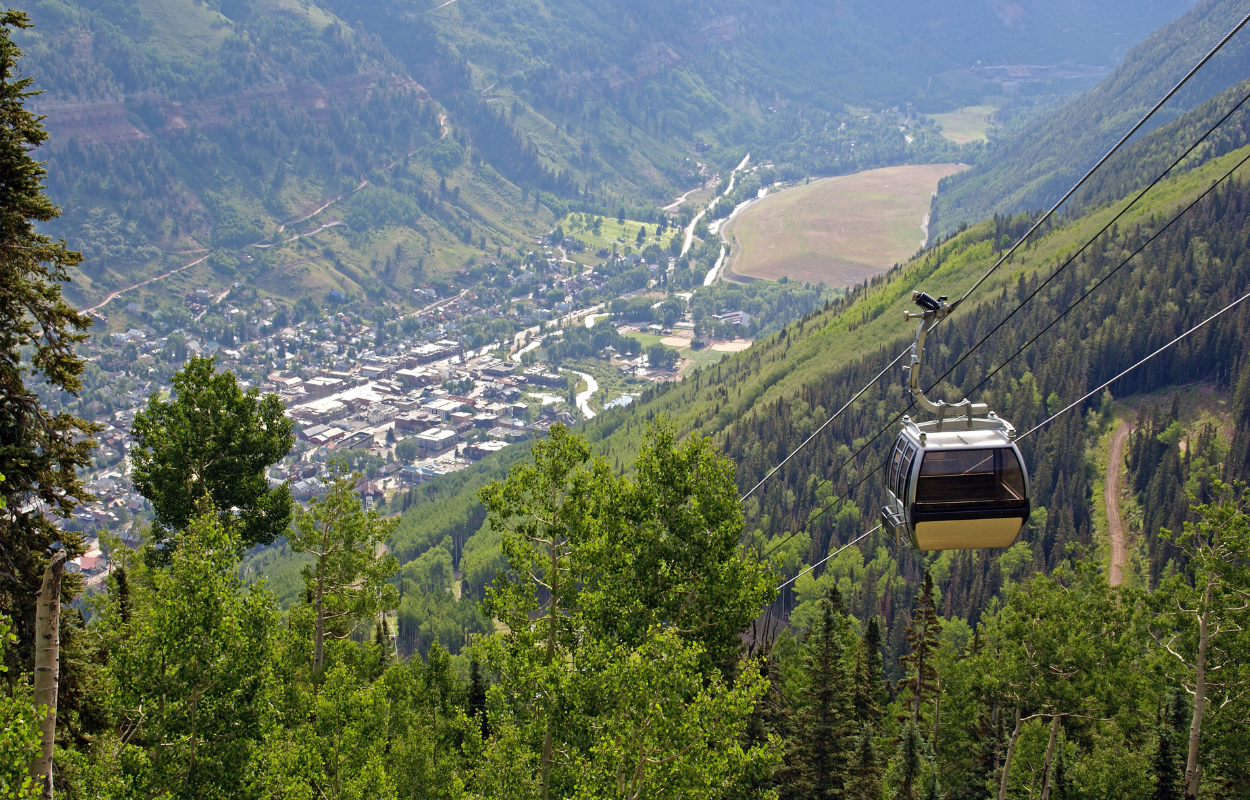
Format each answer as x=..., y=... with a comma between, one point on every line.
x=965, y=125
x=700, y=358
x=647, y=339
x=610, y=230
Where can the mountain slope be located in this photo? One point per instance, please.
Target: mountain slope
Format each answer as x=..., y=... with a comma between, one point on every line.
x=1034, y=168
x=184, y=129
x=762, y=403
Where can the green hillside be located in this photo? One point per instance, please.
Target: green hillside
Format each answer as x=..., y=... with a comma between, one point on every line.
x=304, y=148
x=1033, y=168
x=760, y=404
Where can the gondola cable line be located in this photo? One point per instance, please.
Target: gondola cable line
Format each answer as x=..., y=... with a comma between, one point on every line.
x=1022, y=303
x=1045, y=422
x=1193, y=71
x=1007, y=255
x=820, y=512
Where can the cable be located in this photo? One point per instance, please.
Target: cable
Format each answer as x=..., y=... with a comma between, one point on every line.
x=1025, y=301
x=1103, y=160
x=1032, y=430
x=899, y=415
x=856, y=540
x=1093, y=239
x=1090, y=394
x=826, y=424
x=1103, y=279
x=1027, y=234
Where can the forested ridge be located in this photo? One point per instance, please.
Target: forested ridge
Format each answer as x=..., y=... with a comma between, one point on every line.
x=1034, y=168
x=210, y=126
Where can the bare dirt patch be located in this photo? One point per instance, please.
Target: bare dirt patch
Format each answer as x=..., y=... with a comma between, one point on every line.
x=736, y=346
x=675, y=341
x=838, y=230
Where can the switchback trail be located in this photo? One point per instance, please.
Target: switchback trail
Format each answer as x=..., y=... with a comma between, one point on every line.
x=1111, y=492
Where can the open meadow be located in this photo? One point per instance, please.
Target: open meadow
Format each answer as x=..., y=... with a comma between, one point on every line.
x=838, y=230
x=964, y=125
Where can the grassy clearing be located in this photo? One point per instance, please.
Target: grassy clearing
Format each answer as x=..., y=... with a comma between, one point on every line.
x=968, y=124
x=840, y=230
x=581, y=226
x=694, y=359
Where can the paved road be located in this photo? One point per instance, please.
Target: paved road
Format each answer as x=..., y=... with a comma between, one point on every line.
x=1111, y=493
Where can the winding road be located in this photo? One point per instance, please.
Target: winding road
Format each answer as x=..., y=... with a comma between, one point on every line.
x=1111, y=494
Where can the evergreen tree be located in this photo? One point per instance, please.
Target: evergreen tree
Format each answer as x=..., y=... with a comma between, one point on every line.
x=920, y=664
x=863, y=780
x=870, y=692
x=42, y=453
x=909, y=762
x=823, y=727
x=1169, y=760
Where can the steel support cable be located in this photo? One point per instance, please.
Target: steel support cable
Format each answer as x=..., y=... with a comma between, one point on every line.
x=1030, y=232
x=1103, y=160
x=1095, y=391
x=1106, y=277
x=1085, y=246
x=826, y=424
x=856, y=540
x=1037, y=427
x=899, y=415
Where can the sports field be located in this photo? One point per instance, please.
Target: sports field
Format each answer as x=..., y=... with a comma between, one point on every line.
x=968, y=124
x=838, y=230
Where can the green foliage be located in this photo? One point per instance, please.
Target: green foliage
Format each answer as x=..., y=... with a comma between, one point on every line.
x=376, y=207
x=192, y=667
x=19, y=729
x=649, y=641
x=231, y=227
x=41, y=452
x=348, y=581
x=213, y=444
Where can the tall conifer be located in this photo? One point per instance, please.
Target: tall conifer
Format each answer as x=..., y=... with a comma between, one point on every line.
x=823, y=727
x=920, y=664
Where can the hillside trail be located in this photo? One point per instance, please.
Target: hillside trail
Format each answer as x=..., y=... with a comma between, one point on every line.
x=1111, y=493
x=112, y=296
x=673, y=206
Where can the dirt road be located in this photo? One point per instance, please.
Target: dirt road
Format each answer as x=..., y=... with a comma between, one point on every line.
x=1111, y=492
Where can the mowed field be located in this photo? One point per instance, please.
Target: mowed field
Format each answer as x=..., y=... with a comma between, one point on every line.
x=968, y=124
x=837, y=230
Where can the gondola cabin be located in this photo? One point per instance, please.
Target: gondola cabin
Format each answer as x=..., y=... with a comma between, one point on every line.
x=956, y=485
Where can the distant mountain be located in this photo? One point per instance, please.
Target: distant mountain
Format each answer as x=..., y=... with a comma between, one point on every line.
x=455, y=131
x=1034, y=168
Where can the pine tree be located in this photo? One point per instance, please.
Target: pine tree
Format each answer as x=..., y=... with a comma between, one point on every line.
x=909, y=761
x=1169, y=761
x=863, y=778
x=823, y=727
x=42, y=453
x=920, y=664
x=870, y=694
